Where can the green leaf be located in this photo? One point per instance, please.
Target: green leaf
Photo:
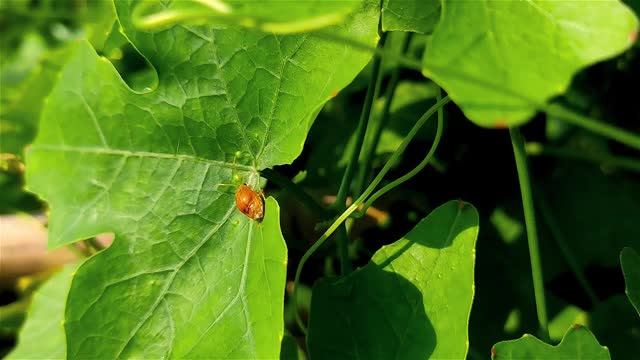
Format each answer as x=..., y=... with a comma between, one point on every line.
x=577, y=343
x=568, y=316
x=188, y=275
x=410, y=15
x=411, y=301
x=630, y=262
x=500, y=60
x=220, y=297
x=19, y=117
x=615, y=322
x=275, y=16
x=42, y=336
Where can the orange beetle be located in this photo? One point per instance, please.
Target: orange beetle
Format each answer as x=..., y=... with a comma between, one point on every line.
x=249, y=202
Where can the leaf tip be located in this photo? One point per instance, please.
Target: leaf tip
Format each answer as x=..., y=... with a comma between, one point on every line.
x=576, y=326
x=633, y=36
x=335, y=93
x=494, y=353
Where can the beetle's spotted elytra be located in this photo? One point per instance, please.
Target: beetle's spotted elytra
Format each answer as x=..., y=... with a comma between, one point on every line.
x=250, y=202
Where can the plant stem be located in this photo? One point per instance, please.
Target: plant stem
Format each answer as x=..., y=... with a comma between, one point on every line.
x=532, y=236
x=556, y=234
x=94, y=244
x=394, y=158
x=365, y=169
x=415, y=170
x=294, y=189
x=598, y=127
x=374, y=86
x=347, y=178
x=622, y=162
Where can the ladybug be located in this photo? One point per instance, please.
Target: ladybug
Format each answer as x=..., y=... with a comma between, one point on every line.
x=249, y=202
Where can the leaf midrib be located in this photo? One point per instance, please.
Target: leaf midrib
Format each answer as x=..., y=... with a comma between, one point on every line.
x=141, y=154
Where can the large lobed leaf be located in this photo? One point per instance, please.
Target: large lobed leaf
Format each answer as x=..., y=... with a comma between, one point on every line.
x=42, y=335
x=412, y=301
x=630, y=262
x=188, y=275
x=499, y=60
x=578, y=343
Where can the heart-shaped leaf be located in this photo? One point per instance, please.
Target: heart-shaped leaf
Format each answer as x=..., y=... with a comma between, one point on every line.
x=187, y=275
x=578, y=343
x=499, y=60
x=412, y=301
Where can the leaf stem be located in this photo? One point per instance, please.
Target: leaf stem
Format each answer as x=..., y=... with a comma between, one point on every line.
x=345, y=186
x=556, y=234
x=622, y=162
x=345, y=215
x=598, y=127
x=373, y=88
x=294, y=189
x=415, y=170
x=365, y=168
x=532, y=236
x=94, y=244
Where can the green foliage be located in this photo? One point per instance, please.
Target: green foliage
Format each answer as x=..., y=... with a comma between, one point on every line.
x=19, y=116
x=630, y=262
x=500, y=72
x=578, y=343
x=152, y=168
x=42, y=335
x=410, y=15
x=412, y=300
x=152, y=112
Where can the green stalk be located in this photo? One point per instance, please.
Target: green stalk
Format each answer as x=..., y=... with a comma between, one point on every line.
x=415, y=170
x=374, y=87
x=365, y=169
x=598, y=127
x=347, y=178
x=345, y=215
x=532, y=236
x=94, y=244
x=295, y=190
x=565, y=249
x=622, y=162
